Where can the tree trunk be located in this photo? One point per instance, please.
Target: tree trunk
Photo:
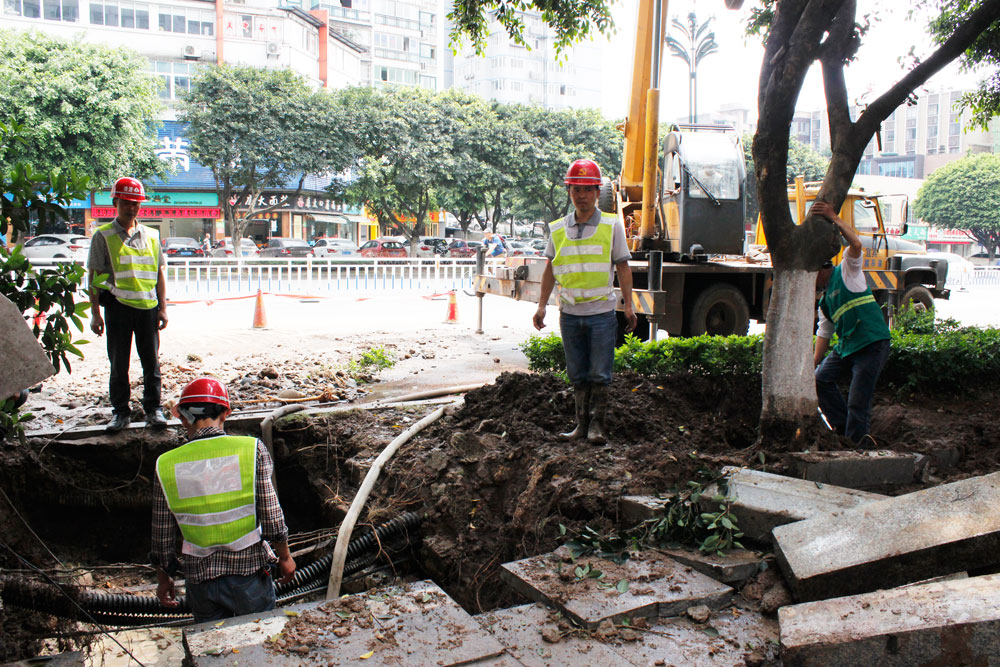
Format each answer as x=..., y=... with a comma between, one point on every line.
x=789, y=393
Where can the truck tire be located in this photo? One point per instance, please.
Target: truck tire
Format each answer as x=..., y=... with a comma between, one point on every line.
x=919, y=295
x=720, y=310
x=606, y=198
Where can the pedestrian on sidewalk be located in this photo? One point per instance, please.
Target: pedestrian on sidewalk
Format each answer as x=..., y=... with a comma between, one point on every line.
x=214, y=499
x=848, y=308
x=584, y=250
x=127, y=276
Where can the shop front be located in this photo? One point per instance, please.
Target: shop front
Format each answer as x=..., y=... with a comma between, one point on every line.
x=172, y=214
x=307, y=216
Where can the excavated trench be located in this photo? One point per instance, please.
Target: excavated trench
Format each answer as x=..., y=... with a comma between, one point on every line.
x=490, y=483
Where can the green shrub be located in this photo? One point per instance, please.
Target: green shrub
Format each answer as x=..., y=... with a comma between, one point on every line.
x=544, y=353
x=965, y=358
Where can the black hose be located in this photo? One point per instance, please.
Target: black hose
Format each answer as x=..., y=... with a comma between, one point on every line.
x=128, y=609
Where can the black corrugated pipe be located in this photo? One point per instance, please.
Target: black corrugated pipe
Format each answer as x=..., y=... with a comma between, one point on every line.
x=126, y=608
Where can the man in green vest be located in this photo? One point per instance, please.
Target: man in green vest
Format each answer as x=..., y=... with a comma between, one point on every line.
x=216, y=514
x=134, y=297
x=585, y=249
x=848, y=308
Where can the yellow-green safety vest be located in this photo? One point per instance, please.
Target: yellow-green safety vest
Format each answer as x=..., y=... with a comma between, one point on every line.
x=136, y=269
x=582, y=267
x=209, y=486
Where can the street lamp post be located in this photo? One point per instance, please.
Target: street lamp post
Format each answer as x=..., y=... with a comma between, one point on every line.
x=698, y=43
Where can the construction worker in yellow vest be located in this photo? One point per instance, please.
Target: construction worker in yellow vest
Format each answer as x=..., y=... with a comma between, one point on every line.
x=216, y=515
x=585, y=249
x=134, y=296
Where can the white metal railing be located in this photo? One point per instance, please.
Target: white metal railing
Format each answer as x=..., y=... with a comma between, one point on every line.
x=215, y=277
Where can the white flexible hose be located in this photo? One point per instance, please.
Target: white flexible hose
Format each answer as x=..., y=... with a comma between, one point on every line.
x=433, y=393
x=347, y=525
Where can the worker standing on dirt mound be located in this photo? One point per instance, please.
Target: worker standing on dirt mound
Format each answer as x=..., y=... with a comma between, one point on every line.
x=584, y=250
x=214, y=498
x=848, y=309
x=134, y=299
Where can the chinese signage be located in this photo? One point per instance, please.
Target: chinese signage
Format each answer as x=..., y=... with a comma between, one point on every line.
x=285, y=202
x=161, y=212
x=933, y=234
x=166, y=199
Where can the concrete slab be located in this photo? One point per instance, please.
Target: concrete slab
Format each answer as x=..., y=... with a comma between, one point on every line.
x=159, y=647
x=734, y=567
x=871, y=470
x=415, y=624
x=953, y=622
x=761, y=500
x=729, y=638
x=891, y=542
x=656, y=586
x=636, y=509
x=20, y=350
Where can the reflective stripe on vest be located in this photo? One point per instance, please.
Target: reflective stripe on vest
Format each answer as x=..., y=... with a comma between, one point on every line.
x=582, y=267
x=135, y=269
x=209, y=485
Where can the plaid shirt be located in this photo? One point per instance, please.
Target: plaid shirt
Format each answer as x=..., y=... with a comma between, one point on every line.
x=167, y=534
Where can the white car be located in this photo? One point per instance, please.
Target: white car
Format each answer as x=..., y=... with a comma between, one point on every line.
x=58, y=246
x=960, y=270
x=225, y=248
x=335, y=248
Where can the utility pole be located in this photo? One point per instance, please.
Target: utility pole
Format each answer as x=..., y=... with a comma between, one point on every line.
x=698, y=43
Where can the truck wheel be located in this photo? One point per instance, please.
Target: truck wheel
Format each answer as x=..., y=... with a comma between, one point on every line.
x=720, y=310
x=919, y=295
x=606, y=198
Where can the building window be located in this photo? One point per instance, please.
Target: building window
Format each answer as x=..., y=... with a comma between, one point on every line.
x=395, y=75
x=186, y=21
x=428, y=82
x=52, y=10
x=29, y=9
x=123, y=14
x=427, y=19
x=176, y=77
x=889, y=145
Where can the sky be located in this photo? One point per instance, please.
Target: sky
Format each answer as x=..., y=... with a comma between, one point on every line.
x=730, y=75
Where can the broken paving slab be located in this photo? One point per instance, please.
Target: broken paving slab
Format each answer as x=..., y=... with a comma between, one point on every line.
x=874, y=469
x=954, y=622
x=591, y=590
x=415, y=624
x=732, y=567
x=894, y=541
x=19, y=349
x=726, y=640
x=760, y=501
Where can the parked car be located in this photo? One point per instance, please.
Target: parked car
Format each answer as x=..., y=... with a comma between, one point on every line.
x=960, y=270
x=539, y=245
x=284, y=248
x=335, y=248
x=432, y=246
x=225, y=248
x=383, y=247
x=521, y=249
x=58, y=246
x=182, y=247
x=178, y=239
x=463, y=248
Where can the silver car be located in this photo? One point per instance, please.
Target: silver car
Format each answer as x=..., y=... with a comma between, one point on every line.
x=58, y=246
x=337, y=248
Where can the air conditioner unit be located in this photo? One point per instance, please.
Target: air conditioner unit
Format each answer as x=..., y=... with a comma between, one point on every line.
x=190, y=52
x=273, y=48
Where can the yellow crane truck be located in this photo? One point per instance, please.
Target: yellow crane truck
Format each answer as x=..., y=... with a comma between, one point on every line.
x=693, y=270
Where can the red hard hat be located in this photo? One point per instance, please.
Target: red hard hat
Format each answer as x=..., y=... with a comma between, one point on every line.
x=129, y=189
x=583, y=172
x=205, y=390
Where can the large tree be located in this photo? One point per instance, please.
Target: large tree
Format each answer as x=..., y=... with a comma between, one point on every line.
x=262, y=129
x=571, y=20
x=965, y=195
x=800, y=33
x=81, y=108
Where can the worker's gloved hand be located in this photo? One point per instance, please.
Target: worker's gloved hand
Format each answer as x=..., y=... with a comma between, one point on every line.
x=286, y=568
x=165, y=590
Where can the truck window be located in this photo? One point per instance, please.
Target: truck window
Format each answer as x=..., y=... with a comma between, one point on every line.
x=864, y=217
x=712, y=161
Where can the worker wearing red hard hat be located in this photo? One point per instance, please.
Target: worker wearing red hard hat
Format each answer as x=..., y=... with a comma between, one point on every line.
x=216, y=515
x=585, y=250
x=134, y=296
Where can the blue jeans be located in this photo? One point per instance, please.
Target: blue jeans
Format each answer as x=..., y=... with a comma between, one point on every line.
x=589, y=344
x=853, y=417
x=235, y=595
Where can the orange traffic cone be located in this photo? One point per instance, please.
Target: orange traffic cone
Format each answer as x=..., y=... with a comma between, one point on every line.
x=259, y=318
x=452, y=309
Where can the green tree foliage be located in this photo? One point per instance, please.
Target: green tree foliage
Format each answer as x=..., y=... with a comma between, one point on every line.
x=964, y=194
x=259, y=129
x=802, y=161
x=82, y=108
x=984, y=53
x=572, y=20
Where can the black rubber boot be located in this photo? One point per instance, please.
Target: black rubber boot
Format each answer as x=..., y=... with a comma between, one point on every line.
x=581, y=397
x=156, y=419
x=598, y=414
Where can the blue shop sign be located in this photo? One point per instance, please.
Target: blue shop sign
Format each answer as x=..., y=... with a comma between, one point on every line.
x=174, y=148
